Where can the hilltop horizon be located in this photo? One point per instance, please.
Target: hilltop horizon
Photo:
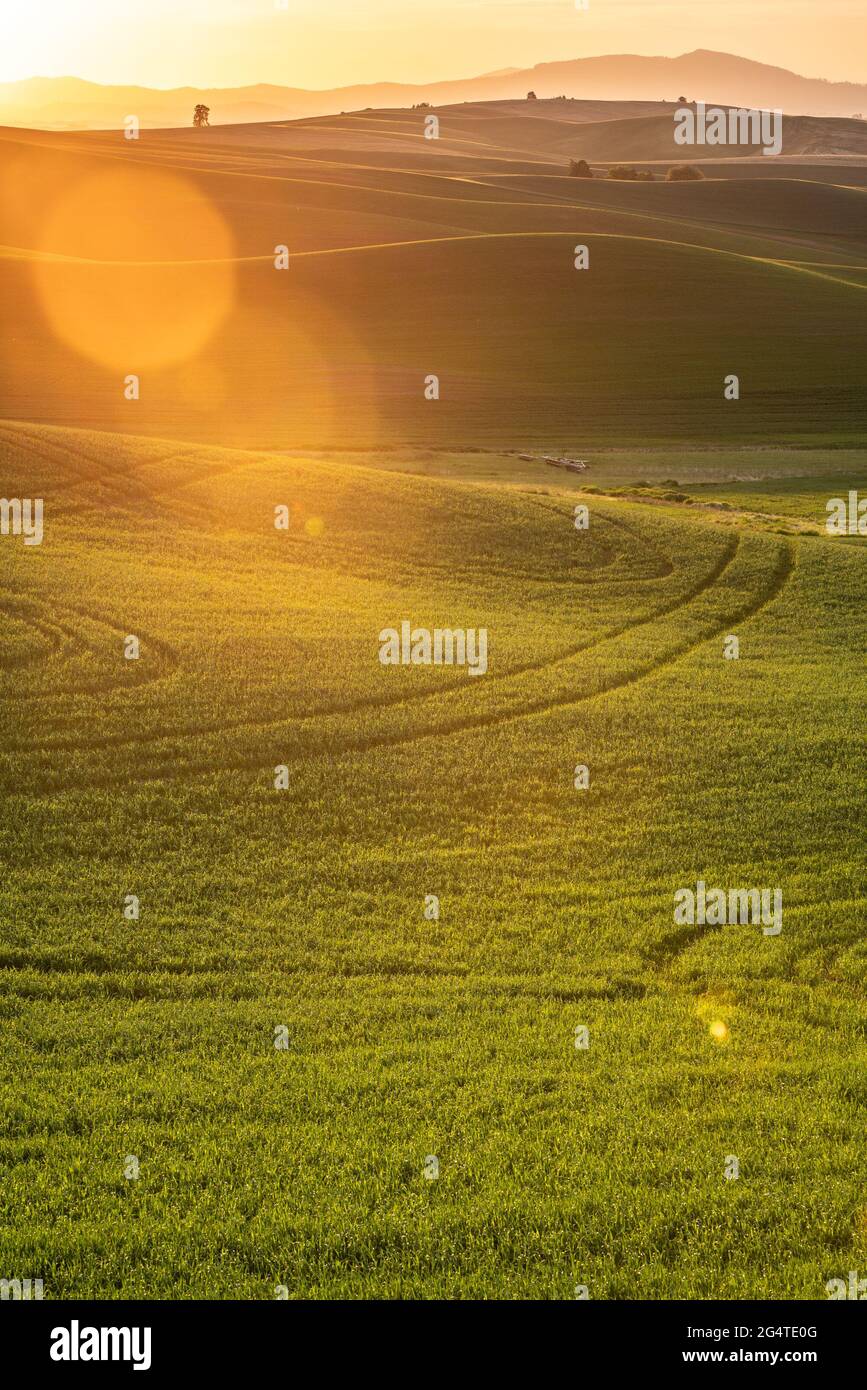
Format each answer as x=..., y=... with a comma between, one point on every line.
x=72, y=102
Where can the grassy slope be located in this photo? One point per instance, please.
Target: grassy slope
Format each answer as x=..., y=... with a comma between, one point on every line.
x=410, y=1037
x=685, y=286
x=305, y=907
x=564, y=358
x=802, y=498
x=652, y=138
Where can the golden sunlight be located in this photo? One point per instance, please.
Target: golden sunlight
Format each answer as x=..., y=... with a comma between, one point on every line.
x=134, y=268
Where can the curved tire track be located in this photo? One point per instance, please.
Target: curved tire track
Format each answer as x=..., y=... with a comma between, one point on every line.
x=176, y=769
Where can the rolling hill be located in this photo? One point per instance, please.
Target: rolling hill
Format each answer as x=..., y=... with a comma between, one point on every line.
x=410, y=258
x=71, y=103
x=322, y=978
x=298, y=916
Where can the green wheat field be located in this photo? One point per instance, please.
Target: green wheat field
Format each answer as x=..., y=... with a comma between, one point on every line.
x=238, y=1093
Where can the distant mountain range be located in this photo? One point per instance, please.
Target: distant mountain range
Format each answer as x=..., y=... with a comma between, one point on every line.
x=70, y=103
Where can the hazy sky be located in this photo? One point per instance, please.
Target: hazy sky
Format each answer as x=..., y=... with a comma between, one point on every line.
x=324, y=43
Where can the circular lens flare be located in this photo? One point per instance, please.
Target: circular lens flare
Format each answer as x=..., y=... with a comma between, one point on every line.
x=134, y=268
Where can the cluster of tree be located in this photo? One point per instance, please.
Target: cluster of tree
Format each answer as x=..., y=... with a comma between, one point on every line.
x=630, y=175
x=201, y=115
x=421, y=106
x=531, y=96
x=679, y=173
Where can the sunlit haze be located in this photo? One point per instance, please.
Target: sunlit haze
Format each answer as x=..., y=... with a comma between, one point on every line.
x=324, y=43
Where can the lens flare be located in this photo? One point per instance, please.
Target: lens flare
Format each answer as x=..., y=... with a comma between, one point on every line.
x=134, y=268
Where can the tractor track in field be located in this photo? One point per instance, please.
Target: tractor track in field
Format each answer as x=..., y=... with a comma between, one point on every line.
x=59, y=634
x=542, y=707
x=44, y=447
x=71, y=637
x=19, y=606
x=664, y=953
x=177, y=770
x=120, y=500
x=457, y=687
x=666, y=565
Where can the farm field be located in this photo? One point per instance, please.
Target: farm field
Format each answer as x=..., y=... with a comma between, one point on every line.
x=407, y=258
x=241, y=1089
x=304, y=907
